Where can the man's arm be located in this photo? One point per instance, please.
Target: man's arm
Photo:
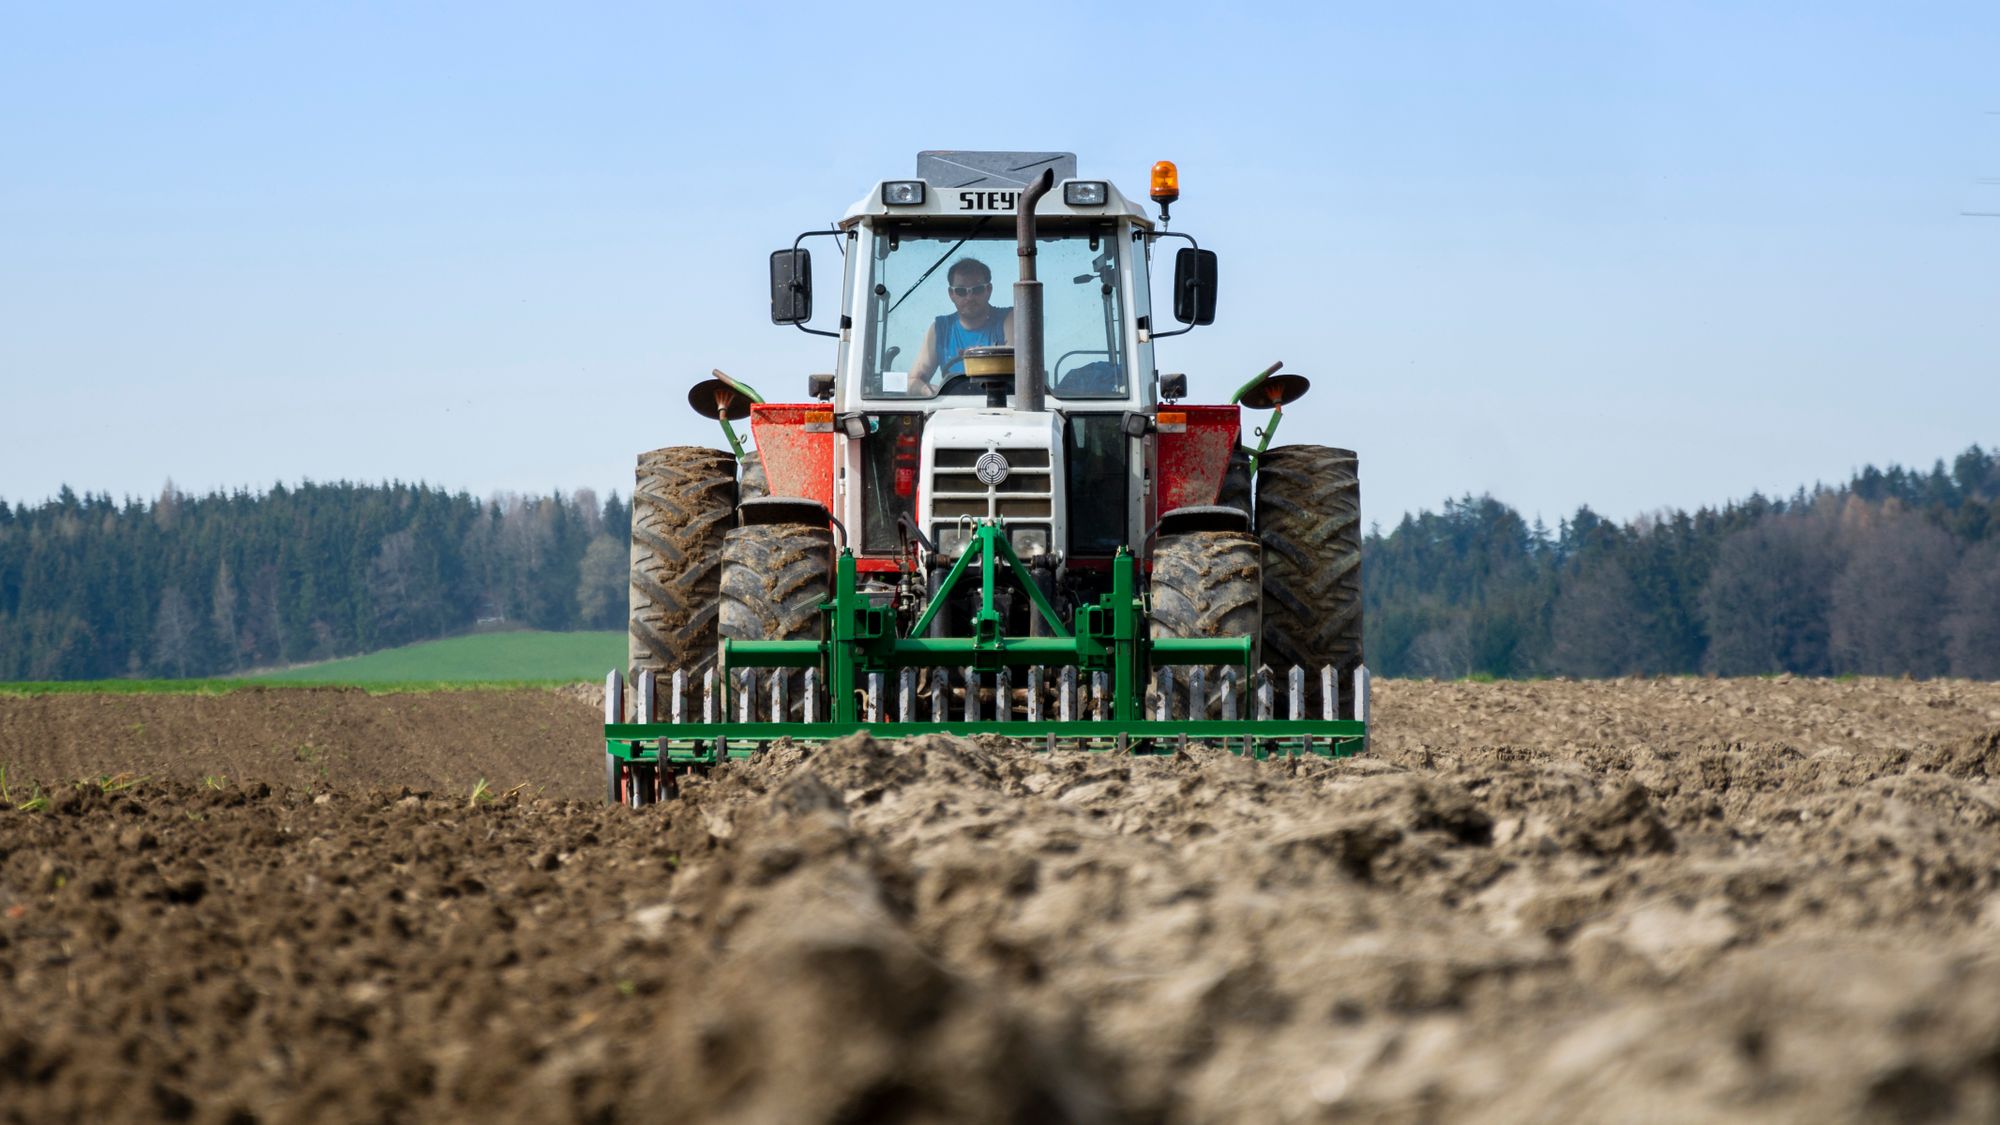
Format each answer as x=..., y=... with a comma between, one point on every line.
x=923, y=365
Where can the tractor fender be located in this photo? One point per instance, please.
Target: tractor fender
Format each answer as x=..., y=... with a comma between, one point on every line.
x=795, y=443
x=1194, y=447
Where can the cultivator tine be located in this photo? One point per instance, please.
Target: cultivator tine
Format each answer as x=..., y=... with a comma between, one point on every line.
x=1197, y=707
x=1097, y=693
x=677, y=699
x=1362, y=682
x=971, y=696
x=1164, y=709
x=779, y=709
x=1299, y=705
x=871, y=700
x=708, y=701
x=1265, y=703
x=810, y=704
x=746, y=696
x=906, y=696
x=1229, y=695
x=1329, y=692
x=1035, y=694
x=642, y=700
x=614, y=697
x=1066, y=695
x=1003, y=696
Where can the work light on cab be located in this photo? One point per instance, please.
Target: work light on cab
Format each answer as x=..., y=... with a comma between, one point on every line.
x=903, y=193
x=1085, y=193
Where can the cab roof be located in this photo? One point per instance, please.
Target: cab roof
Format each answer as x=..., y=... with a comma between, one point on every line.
x=975, y=184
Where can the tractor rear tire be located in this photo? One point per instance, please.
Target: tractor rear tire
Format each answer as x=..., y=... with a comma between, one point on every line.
x=683, y=502
x=775, y=576
x=1309, y=521
x=1205, y=584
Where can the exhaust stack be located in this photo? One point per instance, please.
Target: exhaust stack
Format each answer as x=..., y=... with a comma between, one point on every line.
x=1029, y=378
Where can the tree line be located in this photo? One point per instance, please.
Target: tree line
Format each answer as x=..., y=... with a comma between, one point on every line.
x=93, y=588
x=1895, y=572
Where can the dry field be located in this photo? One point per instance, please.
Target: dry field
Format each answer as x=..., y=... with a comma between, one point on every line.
x=1634, y=901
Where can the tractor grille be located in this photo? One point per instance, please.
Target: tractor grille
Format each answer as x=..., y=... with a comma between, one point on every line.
x=1026, y=496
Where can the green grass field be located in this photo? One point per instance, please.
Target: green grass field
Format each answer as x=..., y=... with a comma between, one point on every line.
x=521, y=656
x=481, y=660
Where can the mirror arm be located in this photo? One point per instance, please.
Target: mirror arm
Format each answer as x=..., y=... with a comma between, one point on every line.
x=1153, y=236
x=800, y=325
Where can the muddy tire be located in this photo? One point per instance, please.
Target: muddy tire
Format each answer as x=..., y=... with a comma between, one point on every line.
x=774, y=579
x=683, y=502
x=1205, y=584
x=1309, y=522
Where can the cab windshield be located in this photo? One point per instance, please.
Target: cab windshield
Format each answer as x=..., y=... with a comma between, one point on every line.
x=936, y=292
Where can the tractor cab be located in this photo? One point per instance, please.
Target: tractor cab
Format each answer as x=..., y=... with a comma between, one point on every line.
x=930, y=273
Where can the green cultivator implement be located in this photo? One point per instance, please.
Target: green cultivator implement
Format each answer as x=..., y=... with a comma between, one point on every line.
x=1065, y=554
x=1082, y=689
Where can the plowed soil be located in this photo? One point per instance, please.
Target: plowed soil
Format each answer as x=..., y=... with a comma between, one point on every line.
x=1644, y=900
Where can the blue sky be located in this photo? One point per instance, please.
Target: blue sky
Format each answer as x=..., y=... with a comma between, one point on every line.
x=1628, y=255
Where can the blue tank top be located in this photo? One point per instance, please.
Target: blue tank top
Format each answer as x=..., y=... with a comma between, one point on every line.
x=953, y=338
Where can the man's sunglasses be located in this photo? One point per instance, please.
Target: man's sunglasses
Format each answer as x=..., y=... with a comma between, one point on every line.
x=969, y=290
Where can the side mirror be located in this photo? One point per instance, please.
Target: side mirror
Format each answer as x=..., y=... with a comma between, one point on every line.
x=791, y=287
x=819, y=385
x=1194, y=286
x=1173, y=388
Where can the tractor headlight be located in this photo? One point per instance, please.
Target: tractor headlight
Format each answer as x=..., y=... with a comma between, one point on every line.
x=951, y=541
x=903, y=193
x=1085, y=193
x=1030, y=541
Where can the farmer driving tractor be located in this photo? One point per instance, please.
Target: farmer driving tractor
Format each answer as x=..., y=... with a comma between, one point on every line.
x=974, y=323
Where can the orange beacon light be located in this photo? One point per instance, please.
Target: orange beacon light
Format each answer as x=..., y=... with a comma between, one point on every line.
x=1166, y=185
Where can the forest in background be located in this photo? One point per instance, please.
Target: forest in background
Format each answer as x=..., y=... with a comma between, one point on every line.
x=92, y=588
x=1894, y=572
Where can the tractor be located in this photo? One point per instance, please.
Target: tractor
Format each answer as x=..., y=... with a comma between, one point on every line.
x=995, y=514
